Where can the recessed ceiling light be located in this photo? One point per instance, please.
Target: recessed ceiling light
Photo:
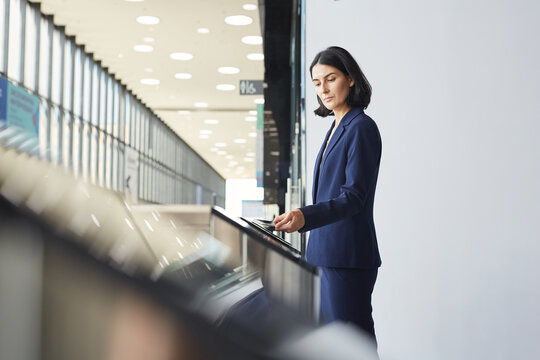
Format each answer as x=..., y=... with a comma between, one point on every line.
x=249, y=7
x=183, y=112
x=229, y=157
x=220, y=144
x=248, y=159
x=214, y=149
x=250, y=154
x=221, y=152
x=149, y=39
x=240, y=141
x=252, y=40
x=121, y=56
x=203, y=136
x=252, y=134
x=251, y=118
x=255, y=56
x=225, y=87
x=171, y=97
x=238, y=20
x=240, y=168
x=259, y=101
x=211, y=121
x=148, y=20
x=232, y=163
x=150, y=81
x=181, y=56
x=252, y=112
x=201, y=104
x=206, y=132
x=148, y=69
x=183, y=76
x=143, y=48
x=228, y=70
x=203, y=30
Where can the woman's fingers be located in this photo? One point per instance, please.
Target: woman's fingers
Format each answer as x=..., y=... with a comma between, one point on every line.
x=290, y=221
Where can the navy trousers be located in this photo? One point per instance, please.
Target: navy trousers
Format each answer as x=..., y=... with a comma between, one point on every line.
x=346, y=296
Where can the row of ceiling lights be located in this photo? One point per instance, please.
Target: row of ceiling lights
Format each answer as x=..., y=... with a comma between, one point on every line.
x=218, y=147
x=237, y=20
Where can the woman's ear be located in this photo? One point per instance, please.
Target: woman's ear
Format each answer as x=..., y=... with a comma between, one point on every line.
x=351, y=81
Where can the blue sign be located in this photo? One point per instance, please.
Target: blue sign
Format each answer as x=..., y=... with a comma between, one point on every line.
x=22, y=109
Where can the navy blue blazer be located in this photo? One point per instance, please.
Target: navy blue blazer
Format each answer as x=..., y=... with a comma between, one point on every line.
x=341, y=217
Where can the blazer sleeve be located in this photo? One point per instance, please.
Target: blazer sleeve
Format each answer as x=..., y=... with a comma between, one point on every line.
x=361, y=170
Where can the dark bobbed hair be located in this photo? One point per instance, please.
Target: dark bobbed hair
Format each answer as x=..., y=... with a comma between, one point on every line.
x=341, y=59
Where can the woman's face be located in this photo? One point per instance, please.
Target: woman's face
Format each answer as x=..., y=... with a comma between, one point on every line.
x=332, y=87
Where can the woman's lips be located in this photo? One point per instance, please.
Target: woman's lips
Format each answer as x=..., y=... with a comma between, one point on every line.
x=328, y=98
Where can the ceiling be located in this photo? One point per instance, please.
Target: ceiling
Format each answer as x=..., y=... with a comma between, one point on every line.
x=109, y=30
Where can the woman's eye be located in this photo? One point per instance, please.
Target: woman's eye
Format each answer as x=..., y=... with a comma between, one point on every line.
x=332, y=79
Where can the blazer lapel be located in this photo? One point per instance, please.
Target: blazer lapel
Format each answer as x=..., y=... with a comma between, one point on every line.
x=339, y=131
x=318, y=164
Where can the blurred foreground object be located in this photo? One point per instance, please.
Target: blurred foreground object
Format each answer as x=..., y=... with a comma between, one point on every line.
x=85, y=274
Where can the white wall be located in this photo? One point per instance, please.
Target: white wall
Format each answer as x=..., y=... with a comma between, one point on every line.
x=457, y=99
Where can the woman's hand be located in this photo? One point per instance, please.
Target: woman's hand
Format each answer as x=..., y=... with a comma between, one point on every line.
x=290, y=221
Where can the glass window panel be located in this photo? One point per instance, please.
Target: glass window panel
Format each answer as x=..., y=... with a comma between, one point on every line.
x=148, y=176
x=116, y=111
x=60, y=145
x=14, y=42
x=101, y=158
x=114, y=165
x=110, y=104
x=30, y=51
x=3, y=50
x=69, y=52
x=102, y=99
x=121, y=114
x=78, y=81
x=57, y=65
x=95, y=93
x=66, y=141
x=108, y=161
x=137, y=128
x=44, y=124
x=76, y=150
x=94, y=155
x=128, y=120
x=134, y=117
x=85, y=151
x=54, y=131
x=145, y=133
x=87, y=88
x=45, y=42
x=142, y=178
x=120, y=167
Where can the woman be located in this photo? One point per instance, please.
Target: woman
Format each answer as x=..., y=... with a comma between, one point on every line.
x=342, y=240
